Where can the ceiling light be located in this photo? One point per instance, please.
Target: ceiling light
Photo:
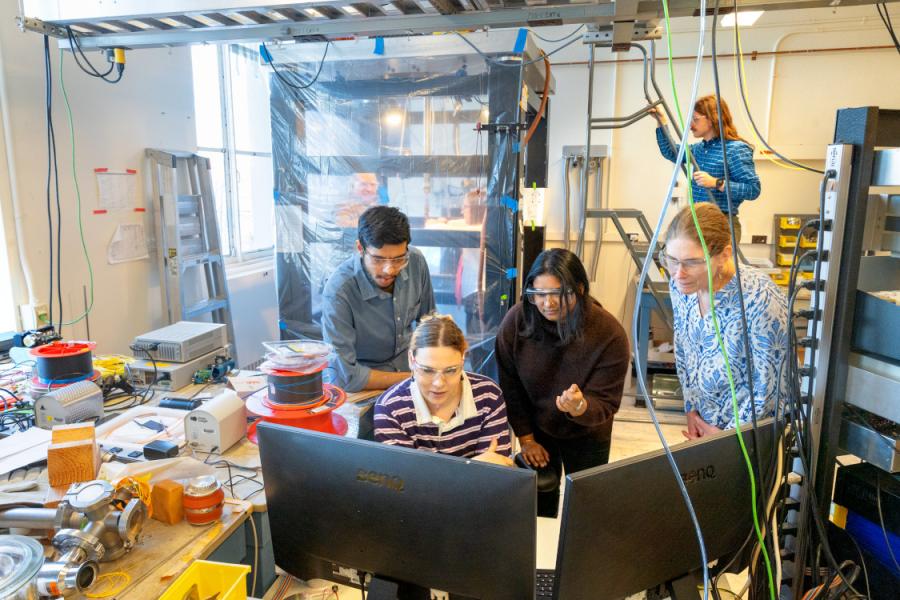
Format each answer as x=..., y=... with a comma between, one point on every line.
x=745, y=18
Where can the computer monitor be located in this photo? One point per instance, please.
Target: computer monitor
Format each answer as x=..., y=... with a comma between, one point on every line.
x=436, y=521
x=625, y=527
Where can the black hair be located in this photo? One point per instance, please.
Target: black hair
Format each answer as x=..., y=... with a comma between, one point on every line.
x=381, y=225
x=565, y=266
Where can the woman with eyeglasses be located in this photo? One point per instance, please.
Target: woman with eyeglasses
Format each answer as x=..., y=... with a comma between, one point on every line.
x=698, y=359
x=442, y=408
x=562, y=361
x=743, y=182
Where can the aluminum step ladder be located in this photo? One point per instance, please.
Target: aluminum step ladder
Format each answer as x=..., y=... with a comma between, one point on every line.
x=191, y=265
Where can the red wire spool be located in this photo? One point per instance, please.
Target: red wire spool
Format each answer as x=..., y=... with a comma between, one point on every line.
x=296, y=388
x=62, y=363
x=42, y=387
x=317, y=416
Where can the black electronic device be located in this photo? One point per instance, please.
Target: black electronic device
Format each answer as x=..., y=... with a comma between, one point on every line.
x=625, y=527
x=180, y=403
x=31, y=338
x=158, y=449
x=403, y=515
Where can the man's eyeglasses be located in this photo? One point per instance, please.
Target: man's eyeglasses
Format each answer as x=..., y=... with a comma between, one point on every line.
x=688, y=264
x=380, y=261
x=430, y=373
x=535, y=294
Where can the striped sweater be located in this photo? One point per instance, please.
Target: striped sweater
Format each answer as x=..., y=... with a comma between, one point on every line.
x=742, y=178
x=402, y=418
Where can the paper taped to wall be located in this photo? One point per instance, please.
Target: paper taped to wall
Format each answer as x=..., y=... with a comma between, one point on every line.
x=127, y=244
x=116, y=191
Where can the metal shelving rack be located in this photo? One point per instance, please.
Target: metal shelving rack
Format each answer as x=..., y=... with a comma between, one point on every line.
x=865, y=155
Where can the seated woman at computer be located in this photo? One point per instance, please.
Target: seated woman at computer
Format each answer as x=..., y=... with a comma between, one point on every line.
x=562, y=360
x=698, y=359
x=442, y=408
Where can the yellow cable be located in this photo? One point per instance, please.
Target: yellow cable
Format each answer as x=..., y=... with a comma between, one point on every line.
x=107, y=585
x=742, y=88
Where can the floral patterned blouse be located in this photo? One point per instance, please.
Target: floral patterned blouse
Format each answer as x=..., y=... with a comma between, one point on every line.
x=700, y=365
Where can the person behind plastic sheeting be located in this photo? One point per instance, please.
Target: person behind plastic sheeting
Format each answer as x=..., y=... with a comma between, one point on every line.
x=363, y=195
x=743, y=182
x=441, y=408
x=698, y=358
x=372, y=301
x=562, y=360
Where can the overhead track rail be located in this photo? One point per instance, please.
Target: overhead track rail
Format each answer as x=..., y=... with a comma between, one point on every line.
x=158, y=23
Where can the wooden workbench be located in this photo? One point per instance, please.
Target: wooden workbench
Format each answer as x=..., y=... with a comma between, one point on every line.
x=163, y=551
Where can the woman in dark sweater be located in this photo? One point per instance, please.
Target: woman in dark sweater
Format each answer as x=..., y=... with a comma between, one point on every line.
x=562, y=361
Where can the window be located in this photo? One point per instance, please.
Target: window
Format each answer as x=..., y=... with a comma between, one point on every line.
x=231, y=107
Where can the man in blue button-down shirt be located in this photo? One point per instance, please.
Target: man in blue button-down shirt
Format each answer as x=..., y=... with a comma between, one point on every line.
x=370, y=304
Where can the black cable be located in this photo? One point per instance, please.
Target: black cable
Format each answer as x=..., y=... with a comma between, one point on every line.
x=881, y=521
x=745, y=336
x=149, y=389
x=48, y=103
x=819, y=528
x=556, y=41
x=75, y=45
x=90, y=69
x=362, y=584
x=53, y=177
x=747, y=107
x=888, y=24
x=271, y=61
x=797, y=413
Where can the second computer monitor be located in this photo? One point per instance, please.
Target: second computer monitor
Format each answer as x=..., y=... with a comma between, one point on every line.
x=625, y=527
x=406, y=515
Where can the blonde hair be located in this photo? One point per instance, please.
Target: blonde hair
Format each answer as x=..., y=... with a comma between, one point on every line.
x=437, y=331
x=713, y=224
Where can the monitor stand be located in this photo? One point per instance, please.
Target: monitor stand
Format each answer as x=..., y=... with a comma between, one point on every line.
x=382, y=589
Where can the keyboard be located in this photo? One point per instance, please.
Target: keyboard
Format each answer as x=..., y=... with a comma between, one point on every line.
x=543, y=584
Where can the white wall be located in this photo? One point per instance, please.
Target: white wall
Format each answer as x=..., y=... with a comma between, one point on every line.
x=151, y=107
x=793, y=99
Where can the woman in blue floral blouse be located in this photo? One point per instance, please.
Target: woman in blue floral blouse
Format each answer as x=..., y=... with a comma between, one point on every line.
x=700, y=364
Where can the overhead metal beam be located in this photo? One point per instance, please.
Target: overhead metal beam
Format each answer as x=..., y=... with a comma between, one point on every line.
x=372, y=21
x=375, y=26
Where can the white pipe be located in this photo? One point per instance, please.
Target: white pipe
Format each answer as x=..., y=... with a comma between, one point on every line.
x=771, y=91
x=22, y=262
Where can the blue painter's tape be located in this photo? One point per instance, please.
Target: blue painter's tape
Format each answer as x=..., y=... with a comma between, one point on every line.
x=509, y=203
x=276, y=194
x=266, y=55
x=383, y=198
x=511, y=273
x=282, y=324
x=521, y=38
x=379, y=46
x=515, y=147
